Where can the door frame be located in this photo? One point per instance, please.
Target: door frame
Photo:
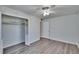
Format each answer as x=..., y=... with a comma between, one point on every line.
x=26, y=37
x=1, y=43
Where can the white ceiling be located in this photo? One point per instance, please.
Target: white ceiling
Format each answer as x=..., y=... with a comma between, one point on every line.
x=60, y=10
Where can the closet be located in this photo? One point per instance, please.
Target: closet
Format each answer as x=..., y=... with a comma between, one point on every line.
x=14, y=30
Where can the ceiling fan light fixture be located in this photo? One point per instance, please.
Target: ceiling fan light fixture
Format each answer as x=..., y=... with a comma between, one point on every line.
x=46, y=10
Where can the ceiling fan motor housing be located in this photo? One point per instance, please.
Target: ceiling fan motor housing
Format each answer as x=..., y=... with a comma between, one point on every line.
x=44, y=8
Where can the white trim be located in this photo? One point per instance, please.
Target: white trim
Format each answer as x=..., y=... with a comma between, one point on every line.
x=12, y=44
x=77, y=45
x=63, y=41
x=29, y=43
x=74, y=43
x=12, y=12
x=34, y=41
x=1, y=47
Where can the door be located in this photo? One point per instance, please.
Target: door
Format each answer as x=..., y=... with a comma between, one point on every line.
x=1, y=49
x=45, y=29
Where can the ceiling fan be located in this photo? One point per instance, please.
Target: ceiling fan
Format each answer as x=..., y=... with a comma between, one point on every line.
x=46, y=10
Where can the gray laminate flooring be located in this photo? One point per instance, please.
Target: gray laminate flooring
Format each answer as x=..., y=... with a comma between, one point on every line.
x=43, y=46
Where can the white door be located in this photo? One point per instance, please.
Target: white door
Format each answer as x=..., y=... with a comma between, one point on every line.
x=1, y=49
x=45, y=29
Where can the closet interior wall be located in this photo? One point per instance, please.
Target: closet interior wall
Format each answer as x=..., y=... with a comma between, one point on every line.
x=14, y=30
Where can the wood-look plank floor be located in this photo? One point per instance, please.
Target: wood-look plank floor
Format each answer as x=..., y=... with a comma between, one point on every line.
x=43, y=46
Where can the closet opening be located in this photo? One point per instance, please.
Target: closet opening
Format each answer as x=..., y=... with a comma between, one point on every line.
x=14, y=31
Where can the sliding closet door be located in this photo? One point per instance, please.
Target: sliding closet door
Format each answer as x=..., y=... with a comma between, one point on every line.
x=1, y=50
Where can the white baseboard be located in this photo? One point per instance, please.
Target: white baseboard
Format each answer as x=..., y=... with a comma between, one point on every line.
x=64, y=41
x=74, y=43
x=28, y=44
x=43, y=37
x=9, y=45
x=77, y=45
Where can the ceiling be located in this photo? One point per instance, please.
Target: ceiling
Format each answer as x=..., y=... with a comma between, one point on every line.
x=60, y=10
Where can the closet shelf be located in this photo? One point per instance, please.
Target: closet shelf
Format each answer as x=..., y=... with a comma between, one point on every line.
x=14, y=23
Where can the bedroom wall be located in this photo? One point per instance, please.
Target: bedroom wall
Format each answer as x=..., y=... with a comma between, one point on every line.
x=44, y=29
x=33, y=30
x=64, y=28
